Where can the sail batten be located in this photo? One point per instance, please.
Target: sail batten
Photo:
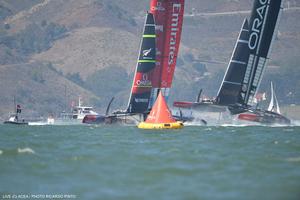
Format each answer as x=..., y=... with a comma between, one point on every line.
x=238, y=62
x=233, y=83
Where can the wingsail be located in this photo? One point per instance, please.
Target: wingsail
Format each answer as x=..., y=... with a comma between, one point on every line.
x=245, y=71
x=229, y=92
x=263, y=23
x=143, y=78
x=168, y=15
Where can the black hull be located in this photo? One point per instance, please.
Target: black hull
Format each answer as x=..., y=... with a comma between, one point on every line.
x=15, y=123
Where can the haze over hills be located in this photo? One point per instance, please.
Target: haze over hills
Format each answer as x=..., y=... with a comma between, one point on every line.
x=89, y=49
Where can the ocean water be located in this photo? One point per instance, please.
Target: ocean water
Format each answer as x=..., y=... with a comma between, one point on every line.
x=115, y=162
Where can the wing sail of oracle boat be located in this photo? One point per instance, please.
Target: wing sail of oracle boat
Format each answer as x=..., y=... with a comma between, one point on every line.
x=263, y=25
x=248, y=61
x=263, y=22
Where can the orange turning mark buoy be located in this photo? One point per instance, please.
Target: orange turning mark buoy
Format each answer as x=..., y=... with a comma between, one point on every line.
x=160, y=116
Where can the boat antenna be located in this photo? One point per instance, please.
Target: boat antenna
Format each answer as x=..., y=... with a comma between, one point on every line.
x=79, y=101
x=15, y=106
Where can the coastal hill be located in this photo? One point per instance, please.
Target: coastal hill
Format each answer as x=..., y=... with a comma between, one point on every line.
x=52, y=51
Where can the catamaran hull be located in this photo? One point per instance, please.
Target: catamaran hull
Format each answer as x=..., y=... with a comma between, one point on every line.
x=201, y=106
x=123, y=119
x=264, y=117
x=93, y=119
x=15, y=123
x=200, y=117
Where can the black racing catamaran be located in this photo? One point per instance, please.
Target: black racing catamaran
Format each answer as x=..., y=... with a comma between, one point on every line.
x=247, y=64
x=141, y=90
x=263, y=23
x=231, y=85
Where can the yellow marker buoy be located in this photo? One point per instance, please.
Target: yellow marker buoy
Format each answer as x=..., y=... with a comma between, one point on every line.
x=160, y=117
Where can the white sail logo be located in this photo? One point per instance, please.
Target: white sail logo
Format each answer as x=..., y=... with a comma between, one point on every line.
x=174, y=30
x=257, y=25
x=158, y=7
x=146, y=52
x=145, y=82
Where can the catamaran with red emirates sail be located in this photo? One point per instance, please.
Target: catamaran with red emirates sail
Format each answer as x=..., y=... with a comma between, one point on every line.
x=156, y=62
x=246, y=66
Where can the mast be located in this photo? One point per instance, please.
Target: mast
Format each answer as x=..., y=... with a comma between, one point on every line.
x=66, y=101
x=143, y=78
x=229, y=92
x=79, y=102
x=15, y=105
x=168, y=15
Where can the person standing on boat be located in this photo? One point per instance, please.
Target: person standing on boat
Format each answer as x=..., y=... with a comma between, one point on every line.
x=19, y=110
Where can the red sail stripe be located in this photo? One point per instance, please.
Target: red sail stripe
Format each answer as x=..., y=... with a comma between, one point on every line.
x=168, y=15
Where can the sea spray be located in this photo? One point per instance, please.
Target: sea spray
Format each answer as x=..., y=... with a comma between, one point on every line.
x=26, y=150
x=293, y=159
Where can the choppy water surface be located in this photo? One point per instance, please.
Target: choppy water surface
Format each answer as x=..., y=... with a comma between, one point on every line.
x=114, y=162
